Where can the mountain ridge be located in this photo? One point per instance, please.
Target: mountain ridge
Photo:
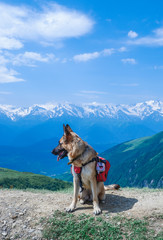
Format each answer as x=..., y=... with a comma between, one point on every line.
x=139, y=110
x=137, y=163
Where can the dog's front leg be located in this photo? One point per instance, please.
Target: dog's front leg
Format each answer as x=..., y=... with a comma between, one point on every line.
x=75, y=196
x=96, y=207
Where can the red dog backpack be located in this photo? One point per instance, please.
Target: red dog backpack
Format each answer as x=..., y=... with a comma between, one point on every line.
x=102, y=168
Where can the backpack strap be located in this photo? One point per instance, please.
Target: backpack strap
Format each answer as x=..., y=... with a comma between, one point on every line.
x=80, y=182
x=93, y=160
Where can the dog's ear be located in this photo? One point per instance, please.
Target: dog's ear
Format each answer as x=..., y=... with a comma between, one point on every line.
x=68, y=128
x=67, y=132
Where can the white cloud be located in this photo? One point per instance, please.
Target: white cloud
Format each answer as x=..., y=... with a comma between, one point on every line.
x=93, y=92
x=132, y=34
x=159, y=32
x=130, y=84
x=9, y=43
x=90, y=94
x=125, y=84
x=155, y=39
x=122, y=49
x=64, y=60
x=86, y=57
x=87, y=96
x=53, y=22
x=89, y=56
x=47, y=25
x=3, y=60
x=129, y=60
x=5, y=93
x=9, y=75
x=107, y=52
x=29, y=58
x=158, y=67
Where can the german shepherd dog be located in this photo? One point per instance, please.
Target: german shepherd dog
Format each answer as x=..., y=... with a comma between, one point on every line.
x=79, y=154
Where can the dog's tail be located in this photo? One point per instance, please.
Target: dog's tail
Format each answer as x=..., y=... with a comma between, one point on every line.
x=112, y=187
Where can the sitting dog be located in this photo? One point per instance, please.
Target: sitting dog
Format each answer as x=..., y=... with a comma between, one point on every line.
x=80, y=154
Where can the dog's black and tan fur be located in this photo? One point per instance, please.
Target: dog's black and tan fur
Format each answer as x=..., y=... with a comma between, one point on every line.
x=75, y=148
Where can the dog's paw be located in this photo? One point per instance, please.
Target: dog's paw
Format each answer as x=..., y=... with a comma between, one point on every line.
x=82, y=201
x=97, y=211
x=71, y=208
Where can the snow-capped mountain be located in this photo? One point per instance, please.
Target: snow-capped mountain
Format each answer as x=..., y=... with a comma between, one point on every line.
x=47, y=111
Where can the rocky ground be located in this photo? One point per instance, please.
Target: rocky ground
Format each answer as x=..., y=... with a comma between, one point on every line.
x=21, y=211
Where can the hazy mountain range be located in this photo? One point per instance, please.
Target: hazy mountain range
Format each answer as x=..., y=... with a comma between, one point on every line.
x=142, y=110
x=101, y=125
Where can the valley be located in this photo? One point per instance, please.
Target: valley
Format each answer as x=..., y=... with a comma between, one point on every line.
x=126, y=135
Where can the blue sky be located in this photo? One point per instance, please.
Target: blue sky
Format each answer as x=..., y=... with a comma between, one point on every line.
x=80, y=51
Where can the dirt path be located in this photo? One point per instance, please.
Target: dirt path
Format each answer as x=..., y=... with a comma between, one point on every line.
x=21, y=211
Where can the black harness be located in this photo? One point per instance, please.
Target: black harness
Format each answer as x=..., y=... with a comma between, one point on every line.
x=93, y=160
x=79, y=174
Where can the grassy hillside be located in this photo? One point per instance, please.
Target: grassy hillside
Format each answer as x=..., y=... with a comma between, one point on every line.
x=137, y=163
x=22, y=180
x=69, y=226
x=67, y=176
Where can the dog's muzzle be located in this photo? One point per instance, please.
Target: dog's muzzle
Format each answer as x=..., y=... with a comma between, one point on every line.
x=60, y=152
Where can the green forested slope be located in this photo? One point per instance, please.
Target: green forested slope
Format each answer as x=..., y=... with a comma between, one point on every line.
x=137, y=163
x=22, y=180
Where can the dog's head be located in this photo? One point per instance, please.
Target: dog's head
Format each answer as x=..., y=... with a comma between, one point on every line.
x=70, y=144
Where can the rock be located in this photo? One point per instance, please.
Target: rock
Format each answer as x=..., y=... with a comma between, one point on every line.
x=4, y=223
x=21, y=214
x=40, y=228
x=24, y=211
x=13, y=215
x=4, y=228
x=13, y=225
x=4, y=233
x=107, y=216
x=38, y=234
